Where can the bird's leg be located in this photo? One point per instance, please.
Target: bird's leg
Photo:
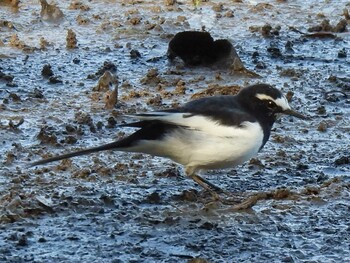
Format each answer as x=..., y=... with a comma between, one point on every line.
x=211, y=188
x=199, y=180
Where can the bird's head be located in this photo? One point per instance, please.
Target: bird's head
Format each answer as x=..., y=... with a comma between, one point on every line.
x=267, y=102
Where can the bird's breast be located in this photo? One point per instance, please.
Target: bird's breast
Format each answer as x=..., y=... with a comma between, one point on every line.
x=204, y=150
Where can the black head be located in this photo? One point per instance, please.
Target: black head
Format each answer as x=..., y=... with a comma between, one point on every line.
x=266, y=103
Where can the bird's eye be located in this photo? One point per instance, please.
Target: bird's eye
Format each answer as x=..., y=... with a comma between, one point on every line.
x=271, y=105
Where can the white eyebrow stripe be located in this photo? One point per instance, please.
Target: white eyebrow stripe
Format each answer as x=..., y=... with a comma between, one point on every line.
x=282, y=102
x=264, y=97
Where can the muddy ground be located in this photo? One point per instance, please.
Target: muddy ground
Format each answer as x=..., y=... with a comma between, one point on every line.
x=120, y=207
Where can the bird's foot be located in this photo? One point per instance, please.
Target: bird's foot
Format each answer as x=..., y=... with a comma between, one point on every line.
x=216, y=192
x=224, y=197
x=245, y=203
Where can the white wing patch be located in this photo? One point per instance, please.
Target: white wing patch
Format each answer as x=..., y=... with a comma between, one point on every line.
x=282, y=102
x=198, y=122
x=205, y=144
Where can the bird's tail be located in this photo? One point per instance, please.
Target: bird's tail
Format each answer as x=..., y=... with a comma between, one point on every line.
x=108, y=146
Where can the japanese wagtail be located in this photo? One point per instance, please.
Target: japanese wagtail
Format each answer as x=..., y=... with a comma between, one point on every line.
x=207, y=133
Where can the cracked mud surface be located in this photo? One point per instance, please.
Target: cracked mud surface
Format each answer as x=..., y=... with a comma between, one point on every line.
x=120, y=207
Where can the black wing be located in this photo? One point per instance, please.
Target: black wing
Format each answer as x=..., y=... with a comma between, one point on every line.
x=223, y=109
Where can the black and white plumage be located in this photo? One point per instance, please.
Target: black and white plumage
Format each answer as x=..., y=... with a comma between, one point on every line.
x=208, y=133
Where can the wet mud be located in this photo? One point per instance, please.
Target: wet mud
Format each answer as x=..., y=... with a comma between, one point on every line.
x=71, y=71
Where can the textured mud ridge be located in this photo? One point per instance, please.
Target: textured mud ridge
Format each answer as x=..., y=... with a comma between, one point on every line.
x=70, y=72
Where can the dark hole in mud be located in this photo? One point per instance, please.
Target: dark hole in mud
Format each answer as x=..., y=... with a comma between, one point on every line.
x=199, y=48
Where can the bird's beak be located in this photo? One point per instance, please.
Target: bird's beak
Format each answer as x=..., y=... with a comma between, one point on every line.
x=295, y=114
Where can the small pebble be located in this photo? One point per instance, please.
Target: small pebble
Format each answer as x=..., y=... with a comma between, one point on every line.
x=322, y=127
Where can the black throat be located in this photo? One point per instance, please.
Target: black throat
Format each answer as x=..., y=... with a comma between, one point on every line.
x=266, y=124
x=266, y=119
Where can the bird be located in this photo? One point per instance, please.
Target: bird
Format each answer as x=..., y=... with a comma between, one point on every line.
x=215, y=132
